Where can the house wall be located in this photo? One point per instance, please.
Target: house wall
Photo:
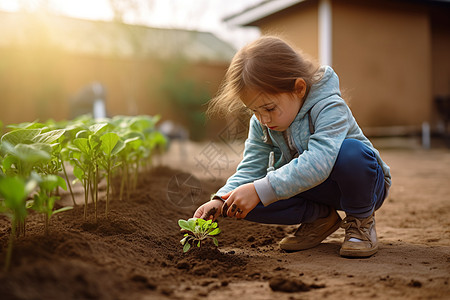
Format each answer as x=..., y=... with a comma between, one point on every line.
x=391, y=56
x=298, y=25
x=441, y=57
x=40, y=84
x=382, y=53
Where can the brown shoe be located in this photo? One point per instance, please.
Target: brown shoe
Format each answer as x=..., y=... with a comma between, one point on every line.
x=360, y=237
x=309, y=235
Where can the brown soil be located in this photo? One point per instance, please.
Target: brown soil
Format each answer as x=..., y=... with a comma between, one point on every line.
x=136, y=254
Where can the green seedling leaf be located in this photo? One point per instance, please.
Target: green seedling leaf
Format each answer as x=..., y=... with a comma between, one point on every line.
x=184, y=225
x=8, y=162
x=20, y=136
x=134, y=143
x=78, y=173
x=200, y=230
x=62, y=209
x=31, y=154
x=98, y=128
x=13, y=190
x=82, y=145
x=183, y=240
x=215, y=242
x=206, y=225
x=143, y=123
x=49, y=137
x=29, y=204
x=199, y=222
x=186, y=247
x=109, y=141
x=118, y=147
x=51, y=182
x=26, y=125
x=82, y=134
x=94, y=142
x=215, y=231
x=192, y=222
x=132, y=136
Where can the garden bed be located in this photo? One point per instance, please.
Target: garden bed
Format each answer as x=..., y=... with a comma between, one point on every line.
x=135, y=254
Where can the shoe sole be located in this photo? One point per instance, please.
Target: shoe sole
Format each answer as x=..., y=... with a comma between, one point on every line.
x=354, y=253
x=298, y=247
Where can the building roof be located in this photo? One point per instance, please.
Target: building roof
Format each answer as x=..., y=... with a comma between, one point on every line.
x=258, y=11
x=265, y=8
x=110, y=38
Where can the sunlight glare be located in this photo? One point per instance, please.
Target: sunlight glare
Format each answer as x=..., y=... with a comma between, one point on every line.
x=85, y=9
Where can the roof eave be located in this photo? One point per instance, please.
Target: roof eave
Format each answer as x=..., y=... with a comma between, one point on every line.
x=262, y=10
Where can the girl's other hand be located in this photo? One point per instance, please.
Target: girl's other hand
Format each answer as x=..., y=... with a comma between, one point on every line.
x=209, y=210
x=240, y=201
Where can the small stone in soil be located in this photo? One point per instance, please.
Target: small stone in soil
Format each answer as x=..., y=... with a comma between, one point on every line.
x=139, y=278
x=291, y=285
x=415, y=283
x=182, y=265
x=166, y=291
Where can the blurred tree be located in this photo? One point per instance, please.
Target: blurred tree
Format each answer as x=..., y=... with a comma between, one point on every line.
x=122, y=7
x=186, y=96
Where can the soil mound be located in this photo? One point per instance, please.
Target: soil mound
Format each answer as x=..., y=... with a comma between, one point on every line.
x=136, y=253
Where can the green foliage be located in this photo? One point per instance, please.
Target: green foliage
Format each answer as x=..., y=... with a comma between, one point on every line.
x=44, y=200
x=198, y=231
x=28, y=149
x=109, y=141
x=33, y=156
x=13, y=192
x=13, y=195
x=185, y=96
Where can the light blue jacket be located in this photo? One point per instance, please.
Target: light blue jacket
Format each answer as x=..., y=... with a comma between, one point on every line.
x=332, y=121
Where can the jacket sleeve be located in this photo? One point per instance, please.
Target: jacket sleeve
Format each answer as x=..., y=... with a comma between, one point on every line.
x=315, y=164
x=254, y=162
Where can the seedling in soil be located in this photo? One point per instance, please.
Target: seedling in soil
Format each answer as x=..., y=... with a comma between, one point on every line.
x=13, y=194
x=44, y=200
x=85, y=157
x=110, y=147
x=198, y=230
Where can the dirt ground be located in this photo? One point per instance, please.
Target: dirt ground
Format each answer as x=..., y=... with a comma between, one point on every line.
x=136, y=254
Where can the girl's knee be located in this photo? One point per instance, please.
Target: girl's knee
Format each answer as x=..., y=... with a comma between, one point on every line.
x=354, y=155
x=351, y=148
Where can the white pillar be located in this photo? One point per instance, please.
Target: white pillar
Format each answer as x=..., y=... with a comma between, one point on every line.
x=325, y=32
x=426, y=135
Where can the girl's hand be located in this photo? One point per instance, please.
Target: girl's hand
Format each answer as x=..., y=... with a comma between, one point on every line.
x=240, y=201
x=209, y=210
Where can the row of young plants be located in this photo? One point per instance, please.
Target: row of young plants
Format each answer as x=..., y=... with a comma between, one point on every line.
x=34, y=158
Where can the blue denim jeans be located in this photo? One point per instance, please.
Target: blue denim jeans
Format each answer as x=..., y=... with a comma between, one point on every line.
x=355, y=185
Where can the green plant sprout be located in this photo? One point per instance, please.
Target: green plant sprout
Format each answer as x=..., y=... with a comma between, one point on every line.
x=22, y=152
x=13, y=193
x=198, y=230
x=44, y=200
x=126, y=157
x=111, y=146
x=33, y=156
x=85, y=156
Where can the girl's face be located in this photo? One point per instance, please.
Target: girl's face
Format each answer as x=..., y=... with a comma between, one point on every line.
x=277, y=112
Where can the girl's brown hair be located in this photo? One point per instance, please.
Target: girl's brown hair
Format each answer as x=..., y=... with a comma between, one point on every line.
x=268, y=64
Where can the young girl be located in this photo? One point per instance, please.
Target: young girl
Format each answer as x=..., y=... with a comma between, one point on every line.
x=319, y=159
